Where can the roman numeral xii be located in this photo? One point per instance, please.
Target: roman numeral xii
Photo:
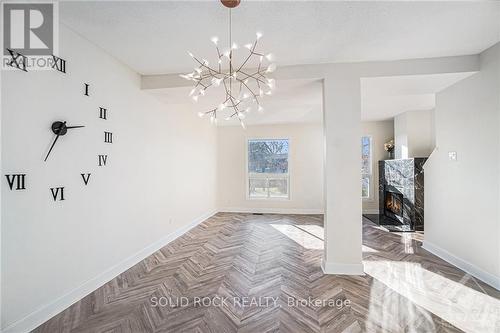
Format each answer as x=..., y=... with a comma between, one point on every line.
x=18, y=180
x=59, y=64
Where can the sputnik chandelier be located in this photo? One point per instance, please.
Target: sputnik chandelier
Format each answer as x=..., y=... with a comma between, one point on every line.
x=244, y=84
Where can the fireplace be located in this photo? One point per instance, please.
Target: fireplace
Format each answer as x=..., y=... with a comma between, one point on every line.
x=393, y=205
x=401, y=194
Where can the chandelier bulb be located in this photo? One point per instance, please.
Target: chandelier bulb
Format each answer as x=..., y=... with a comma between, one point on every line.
x=260, y=109
x=215, y=39
x=201, y=114
x=190, y=54
x=259, y=35
x=271, y=68
x=270, y=57
x=248, y=46
x=243, y=125
x=195, y=98
x=234, y=46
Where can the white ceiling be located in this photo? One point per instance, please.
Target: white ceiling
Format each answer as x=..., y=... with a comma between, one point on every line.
x=153, y=37
x=300, y=101
x=293, y=101
x=385, y=97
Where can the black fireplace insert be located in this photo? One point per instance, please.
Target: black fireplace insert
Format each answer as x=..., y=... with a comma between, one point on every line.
x=393, y=205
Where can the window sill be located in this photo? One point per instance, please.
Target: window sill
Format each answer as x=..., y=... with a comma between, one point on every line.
x=268, y=199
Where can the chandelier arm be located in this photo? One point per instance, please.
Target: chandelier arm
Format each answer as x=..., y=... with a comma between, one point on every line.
x=251, y=91
x=243, y=64
x=219, y=58
x=253, y=77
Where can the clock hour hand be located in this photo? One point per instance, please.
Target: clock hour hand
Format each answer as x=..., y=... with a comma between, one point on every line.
x=74, y=127
x=58, y=130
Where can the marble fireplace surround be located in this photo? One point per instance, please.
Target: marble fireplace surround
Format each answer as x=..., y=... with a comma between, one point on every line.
x=406, y=177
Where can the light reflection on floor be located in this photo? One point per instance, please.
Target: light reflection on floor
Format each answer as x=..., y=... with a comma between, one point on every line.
x=464, y=307
x=416, y=290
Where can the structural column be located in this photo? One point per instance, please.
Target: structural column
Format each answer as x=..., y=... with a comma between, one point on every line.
x=342, y=128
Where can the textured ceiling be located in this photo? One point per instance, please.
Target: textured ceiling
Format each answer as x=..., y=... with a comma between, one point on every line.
x=154, y=37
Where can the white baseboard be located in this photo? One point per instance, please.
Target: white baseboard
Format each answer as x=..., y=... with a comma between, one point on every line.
x=370, y=211
x=466, y=266
x=342, y=269
x=300, y=211
x=47, y=311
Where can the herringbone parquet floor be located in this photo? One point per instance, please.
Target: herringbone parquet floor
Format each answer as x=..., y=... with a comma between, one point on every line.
x=261, y=273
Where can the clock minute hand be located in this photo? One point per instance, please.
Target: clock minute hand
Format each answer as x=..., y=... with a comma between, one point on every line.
x=68, y=127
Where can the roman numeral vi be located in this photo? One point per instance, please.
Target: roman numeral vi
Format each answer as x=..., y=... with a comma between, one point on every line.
x=18, y=180
x=86, y=177
x=108, y=137
x=57, y=193
x=102, y=160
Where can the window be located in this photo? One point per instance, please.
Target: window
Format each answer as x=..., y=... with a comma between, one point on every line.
x=366, y=166
x=268, y=169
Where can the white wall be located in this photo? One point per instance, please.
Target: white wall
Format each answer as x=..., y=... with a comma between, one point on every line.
x=305, y=163
x=381, y=132
x=462, y=219
x=414, y=134
x=160, y=178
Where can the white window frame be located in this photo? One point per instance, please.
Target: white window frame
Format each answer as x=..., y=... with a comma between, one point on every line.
x=369, y=175
x=267, y=176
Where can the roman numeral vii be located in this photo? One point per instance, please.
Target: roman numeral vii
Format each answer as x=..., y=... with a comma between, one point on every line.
x=102, y=160
x=57, y=193
x=18, y=180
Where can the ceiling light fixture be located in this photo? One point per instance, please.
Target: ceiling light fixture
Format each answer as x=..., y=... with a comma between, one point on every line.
x=244, y=84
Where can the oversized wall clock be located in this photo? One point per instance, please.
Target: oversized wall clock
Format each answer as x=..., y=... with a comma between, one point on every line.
x=61, y=130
